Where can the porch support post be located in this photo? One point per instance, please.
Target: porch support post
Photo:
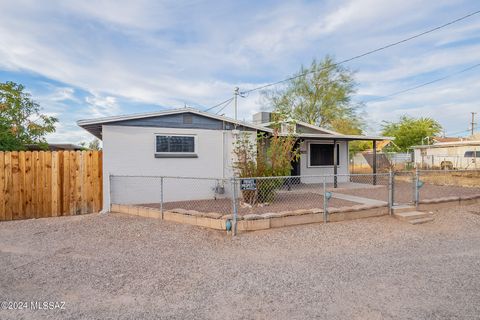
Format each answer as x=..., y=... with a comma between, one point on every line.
x=374, y=162
x=335, y=160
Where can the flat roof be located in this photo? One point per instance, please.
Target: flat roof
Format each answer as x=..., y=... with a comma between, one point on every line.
x=341, y=137
x=449, y=144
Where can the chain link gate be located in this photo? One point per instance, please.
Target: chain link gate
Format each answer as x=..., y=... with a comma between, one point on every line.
x=403, y=188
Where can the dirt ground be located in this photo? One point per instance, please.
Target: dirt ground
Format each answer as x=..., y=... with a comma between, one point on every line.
x=124, y=267
x=403, y=192
x=284, y=201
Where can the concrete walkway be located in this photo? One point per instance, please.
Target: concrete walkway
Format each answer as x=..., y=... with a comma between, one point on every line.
x=361, y=200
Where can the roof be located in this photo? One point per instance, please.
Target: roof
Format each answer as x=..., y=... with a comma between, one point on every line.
x=383, y=144
x=340, y=136
x=304, y=124
x=94, y=126
x=449, y=144
x=311, y=126
x=447, y=139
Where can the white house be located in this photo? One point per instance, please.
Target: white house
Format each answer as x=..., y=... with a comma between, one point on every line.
x=190, y=143
x=460, y=154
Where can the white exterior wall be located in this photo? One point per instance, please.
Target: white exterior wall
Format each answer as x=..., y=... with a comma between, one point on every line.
x=433, y=157
x=342, y=169
x=131, y=151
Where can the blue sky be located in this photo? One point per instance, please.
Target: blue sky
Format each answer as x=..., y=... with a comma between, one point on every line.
x=86, y=59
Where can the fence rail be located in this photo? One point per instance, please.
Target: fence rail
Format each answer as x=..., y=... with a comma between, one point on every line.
x=235, y=198
x=37, y=184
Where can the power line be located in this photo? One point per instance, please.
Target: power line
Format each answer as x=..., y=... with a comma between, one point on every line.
x=427, y=83
x=365, y=53
x=218, y=104
x=226, y=105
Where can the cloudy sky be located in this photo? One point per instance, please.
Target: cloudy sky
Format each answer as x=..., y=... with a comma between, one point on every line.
x=87, y=59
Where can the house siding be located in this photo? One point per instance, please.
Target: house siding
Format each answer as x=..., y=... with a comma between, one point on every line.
x=195, y=121
x=342, y=168
x=130, y=150
x=434, y=156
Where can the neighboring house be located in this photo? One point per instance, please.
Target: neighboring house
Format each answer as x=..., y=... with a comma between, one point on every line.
x=190, y=143
x=446, y=139
x=385, y=156
x=449, y=153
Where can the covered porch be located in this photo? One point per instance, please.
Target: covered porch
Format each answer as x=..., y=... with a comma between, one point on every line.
x=328, y=154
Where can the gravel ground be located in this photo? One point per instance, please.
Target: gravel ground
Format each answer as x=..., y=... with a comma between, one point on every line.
x=305, y=198
x=284, y=201
x=125, y=267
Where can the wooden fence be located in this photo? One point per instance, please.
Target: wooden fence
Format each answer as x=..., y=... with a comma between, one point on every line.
x=37, y=184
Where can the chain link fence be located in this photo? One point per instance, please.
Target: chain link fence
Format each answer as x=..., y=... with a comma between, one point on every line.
x=469, y=160
x=240, y=197
x=167, y=193
x=434, y=185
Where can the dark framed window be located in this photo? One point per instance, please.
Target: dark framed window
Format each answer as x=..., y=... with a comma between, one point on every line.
x=472, y=154
x=174, y=144
x=322, y=154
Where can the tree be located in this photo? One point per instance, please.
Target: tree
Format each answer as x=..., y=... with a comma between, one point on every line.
x=264, y=156
x=21, y=122
x=92, y=145
x=320, y=95
x=409, y=131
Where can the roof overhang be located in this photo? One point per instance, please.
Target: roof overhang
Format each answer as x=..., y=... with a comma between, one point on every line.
x=449, y=144
x=344, y=137
x=94, y=126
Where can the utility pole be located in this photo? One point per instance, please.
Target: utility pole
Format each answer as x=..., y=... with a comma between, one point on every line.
x=473, y=122
x=235, y=96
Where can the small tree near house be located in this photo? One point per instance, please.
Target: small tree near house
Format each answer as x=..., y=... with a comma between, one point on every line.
x=265, y=156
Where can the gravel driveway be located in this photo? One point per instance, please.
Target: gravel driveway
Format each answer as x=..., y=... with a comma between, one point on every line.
x=123, y=267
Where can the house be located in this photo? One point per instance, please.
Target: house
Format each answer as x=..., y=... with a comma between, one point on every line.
x=449, y=153
x=446, y=139
x=386, y=157
x=190, y=143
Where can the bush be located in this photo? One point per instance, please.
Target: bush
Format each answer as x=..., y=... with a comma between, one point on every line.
x=265, y=156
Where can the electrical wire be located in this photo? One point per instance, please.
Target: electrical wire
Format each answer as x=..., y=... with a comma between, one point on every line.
x=218, y=104
x=426, y=83
x=365, y=53
x=226, y=105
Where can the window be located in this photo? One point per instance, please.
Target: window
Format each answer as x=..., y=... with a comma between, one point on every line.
x=174, y=144
x=322, y=154
x=472, y=154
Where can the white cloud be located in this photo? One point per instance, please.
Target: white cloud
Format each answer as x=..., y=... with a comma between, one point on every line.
x=101, y=106
x=174, y=52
